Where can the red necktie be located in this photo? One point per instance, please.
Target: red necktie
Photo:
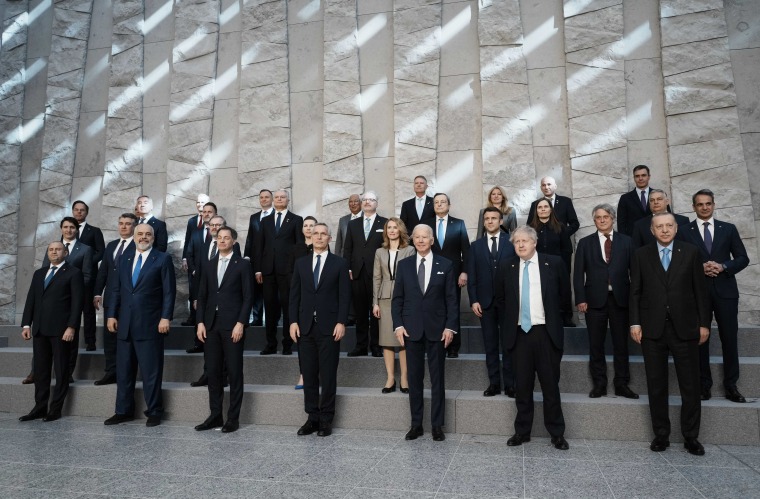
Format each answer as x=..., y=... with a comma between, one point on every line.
x=607, y=248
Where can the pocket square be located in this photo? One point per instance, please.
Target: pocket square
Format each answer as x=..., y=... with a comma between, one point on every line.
x=440, y=273
x=379, y=230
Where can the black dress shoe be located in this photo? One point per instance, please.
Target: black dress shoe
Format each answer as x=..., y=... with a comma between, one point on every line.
x=308, y=428
x=118, y=419
x=517, y=439
x=230, y=426
x=624, y=391
x=438, y=435
x=568, y=323
x=268, y=351
x=694, y=447
x=452, y=355
x=404, y=390
x=509, y=392
x=733, y=395
x=414, y=432
x=390, y=389
x=377, y=352
x=492, y=390
x=33, y=415
x=210, y=423
x=287, y=350
x=659, y=444
x=705, y=394
x=28, y=380
x=153, y=421
x=357, y=352
x=560, y=443
x=325, y=430
x=202, y=381
x=194, y=349
x=90, y=347
x=108, y=379
x=52, y=417
x=597, y=392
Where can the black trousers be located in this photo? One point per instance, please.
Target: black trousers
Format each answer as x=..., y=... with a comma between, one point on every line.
x=73, y=352
x=88, y=316
x=596, y=321
x=319, y=355
x=149, y=356
x=500, y=371
x=50, y=352
x=456, y=342
x=221, y=351
x=258, y=300
x=109, y=349
x=415, y=360
x=535, y=354
x=276, y=298
x=367, y=328
x=686, y=359
x=726, y=313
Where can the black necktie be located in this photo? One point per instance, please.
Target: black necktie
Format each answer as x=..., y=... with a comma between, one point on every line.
x=142, y=220
x=708, y=237
x=119, y=252
x=494, y=250
x=316, y=271
x=213, y=250
x=277, y=222
x=421, y=275
x=49, y=277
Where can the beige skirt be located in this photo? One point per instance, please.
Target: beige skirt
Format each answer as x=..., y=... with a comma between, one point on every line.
x=387, y=338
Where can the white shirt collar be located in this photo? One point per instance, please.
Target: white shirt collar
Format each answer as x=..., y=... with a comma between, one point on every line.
x=701, y=222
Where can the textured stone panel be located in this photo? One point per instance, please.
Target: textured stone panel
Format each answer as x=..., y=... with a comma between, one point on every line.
x=305, y=56
x=264, y=73
x=342, y=136
x=460, y=34
x=306, y=127
x=265, y=106
x=594, y=28
x=459, y=113
x=729, y=183
x=458, y=174
x=499, y=23
x=689, y=158
x=509, y=166
x=544, y=41
x=342, y=97
x=503, y=63
x=641, y=26
x=376, y=51
x=589, y=185
x=644, y=102
x=703, y=126
x=591, y=90
x=349, y=169
x=597, y=132
x=605, y=56
x=263, y=149
x=548, y=98
x=701, y=89
x=575, y=7
x=416, y=123
x=411, y=155
x=377, y=133
x=693, y=27
x=745, y=65
x=741, y=18
x=690, y=56
x=670, y=8
x=499, y=134
x=505, y=100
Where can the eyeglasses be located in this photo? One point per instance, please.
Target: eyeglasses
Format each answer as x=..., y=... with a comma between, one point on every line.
x=216, y=225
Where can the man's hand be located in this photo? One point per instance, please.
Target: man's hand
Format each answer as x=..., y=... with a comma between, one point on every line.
x=376, y=311
x=96, y=301
x=195, y=304
x=400, y=333
x=184, y=265
x=201, y=332
x=26, y=333
x=462, y=282
x=476, y=309
x=582, y=307
x=704, y=333
x=447, y=337
x=112, y=325
x=163, y=326
x=259, y=278
x=295, y=332
x=636, y=334
x=68, y=335
x=350, y=274
x=339, y=331
x=237, y=332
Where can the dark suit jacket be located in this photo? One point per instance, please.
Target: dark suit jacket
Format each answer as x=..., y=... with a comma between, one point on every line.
x=555, y=289
x=629, y=210
x=727, y=248
x=456, y=246
x=93, y=237
x=161, y=235
x=197, y=258
x=642, y=232
x=563, y=210
x=229, y=302
x=273, y=252
x=50, y=311
x=593, y=274
x=192, y=227
x=340, y=238
x=360, y=253
x=254, y=226
x=482, y=271
x=329, y=302
x=140, y=308
x=680, y=293
x=409, y=212
x=557, y=244
x=80, y=256
x=430, y=313
x=108, y=268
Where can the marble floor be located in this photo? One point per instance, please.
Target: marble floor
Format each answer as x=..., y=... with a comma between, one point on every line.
x=81, y=458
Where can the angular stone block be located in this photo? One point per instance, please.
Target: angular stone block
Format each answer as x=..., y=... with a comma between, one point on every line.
x=745, y=65
x=458, y=173
x=693, y=27
x=653, y=153
x=260, y=14
x=544, y=34
x=264, y=73
x=91, y=148
x=157, y=58
x=96, y=81
x=499, y=134
x=707, y=88
x=703, y=126
x=586, y=185
x=499, y=23
x=729, y=183
x=71, y=24
x=459, y=34
x=305, y=56
x=156, y=139
x=377, y=120
x=503, y=63
x=505, y=100
x=594, y=28
x=690, y=56
x=670, y=8
x=548, y=97
x=416, y=123
x=375, y=39
x=644, y=103
x=459, y=113
x=611, y=163
x=605, y=56
x=598, y=132
x=641, y=27
x=591, y=90
x=689, y=158
x=742, y=17
x=263, y=148
x=307, y=193
x=265, y=106
x=304, y=11
x=511, y=168
x=409, y=154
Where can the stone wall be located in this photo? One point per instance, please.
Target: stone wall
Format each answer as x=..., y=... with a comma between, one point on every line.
x=113, y=98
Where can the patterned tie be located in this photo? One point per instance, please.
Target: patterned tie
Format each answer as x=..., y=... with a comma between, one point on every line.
x=665, y=258
x=525, y=323
x=278, y=222
x=316, y=271
x=119, y=252
x=366, y=228
x=607, y=248
x=708, y=237
x=421, y=275
x=142, y=220
x=494, y=249
x=136, y=272
x=49, y=277
x=213, y=250
x=440, y=232
x=643, y=201
x=222, y=268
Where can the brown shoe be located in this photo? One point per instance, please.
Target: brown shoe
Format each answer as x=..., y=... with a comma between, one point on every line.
x=28, y=380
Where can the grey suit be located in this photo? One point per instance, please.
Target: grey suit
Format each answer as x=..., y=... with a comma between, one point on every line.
x=383, y=279
x=340, y=238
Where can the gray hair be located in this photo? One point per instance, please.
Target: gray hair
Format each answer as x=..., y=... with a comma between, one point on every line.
x=370, y=194
x=606, y=207
x=424, y=227
x=322, y=224
x=523, y=229
x=655, y=191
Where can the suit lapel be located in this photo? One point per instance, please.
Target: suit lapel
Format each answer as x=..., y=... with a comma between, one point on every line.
x=326, y=264
x=543, y=266
x=654, y=260
x=503, y=241
x=63, y=268
x=146, y=264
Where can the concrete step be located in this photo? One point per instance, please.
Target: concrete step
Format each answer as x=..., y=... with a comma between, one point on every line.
x=365, y=408
x=468, y=372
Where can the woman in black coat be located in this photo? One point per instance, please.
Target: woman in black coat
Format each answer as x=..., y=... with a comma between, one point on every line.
x=553, y=236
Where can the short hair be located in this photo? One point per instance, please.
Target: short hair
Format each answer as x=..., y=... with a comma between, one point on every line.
x=322, y=224
x=403, y=234
x=424, y=227
x=69, y=219
x=493, y=209
x=219, y=216
x=131, y=216
x=702, y=192
x=216, y=210
x=79, y=201
x=641, y=167
x=58, y=242
x=233, y=232
x=153, y=232
x=367, y=193
x=144, y=196
x=442, y=194
x=283, y=191
x=667, y=213
x=524, y=229
x=311, y=218
x=606, y=207
x=265, y=190
x=422, y=177
x=657, y=191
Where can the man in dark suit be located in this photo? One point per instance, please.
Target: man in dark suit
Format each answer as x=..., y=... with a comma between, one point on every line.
x=224, y=305
x=634, y=205
x=320, y=295
x=425, y=319
x=723, y=256
x=533, y=289
x=51, y=315
x=144, y=211
x=419, y=208
x=273, y=265
x=193, y=258
x=658, y=203
x=194, y=224
x=602, y=281
x=115, y=251
x=354, y=208
x=452, y=243
x=486, y=254
x=363, y=238
x=140, y=308
x=254, y=226
x=561, y=205
x=92, y=237
x=669, y=314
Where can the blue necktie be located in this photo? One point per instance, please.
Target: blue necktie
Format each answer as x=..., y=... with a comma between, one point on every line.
x=49, y=277
x=277, y=223
x=665, y=258
x=136, y=272
x=440, y=232
x=525, y=323
x=708, y=237
x=366, y=228
x=316, y=271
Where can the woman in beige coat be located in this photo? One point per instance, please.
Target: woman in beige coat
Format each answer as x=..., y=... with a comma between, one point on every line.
x=395, y=247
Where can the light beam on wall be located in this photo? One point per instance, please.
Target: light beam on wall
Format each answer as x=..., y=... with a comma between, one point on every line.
x=539, y=36
x=370, y=29
x=575, y=7
x=39, y=10
x=232, y=10
x=370, y=95
x=308, y=10
x=439, y=37
x=143, y=85
x=156, y=18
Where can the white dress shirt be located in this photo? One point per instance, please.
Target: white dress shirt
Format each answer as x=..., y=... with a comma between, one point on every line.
x=321, y=263
x=645, y=190
x=126, y=243
x=144, y=258
x=701, y=227
x=537, y=314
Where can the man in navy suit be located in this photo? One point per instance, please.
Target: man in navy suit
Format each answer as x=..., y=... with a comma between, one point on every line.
x=419, y=208
x=140, y=309
x=51, y=315
x=114, y=252
x=533, y=289
x=320, y=295
x=254, y=226
x=193, y=259
x=224, y=305
x=425, y=320
x=194, y=224
x=602, y=281
x=561, y=205
x=92, y=237
x=634, y=205
x=144, y=211
x=658, y=203
x=486, y=254
x=452, y=243
x=723, y=256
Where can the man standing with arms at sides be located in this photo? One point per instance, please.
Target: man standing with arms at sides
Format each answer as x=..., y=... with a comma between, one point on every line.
x=355, y=208
x=419, y=208
x=602, y=282
x=254, y=226
x=144, y=211
x=92, y=237
x=486, y=254
x=642, y=229
x=532, y=289
x=200, y=241
x=194, y=224
x=273, y=264
x=425, y=320
x=140, y=307
x=669, y=314
x=452, y=243
x=723, y=256
x=634, y=205
x=115, y=251
x=561, y=205
x=224, y=304
x=320, y=295
x=363, y=238
x=51, y=315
